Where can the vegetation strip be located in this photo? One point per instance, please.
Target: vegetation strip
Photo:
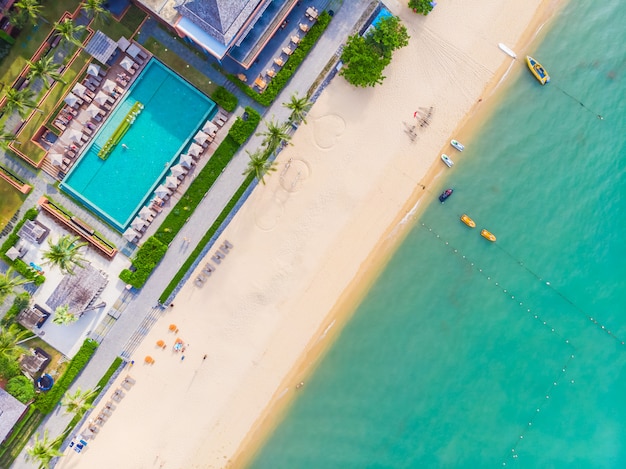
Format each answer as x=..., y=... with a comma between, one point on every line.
x=121, y=130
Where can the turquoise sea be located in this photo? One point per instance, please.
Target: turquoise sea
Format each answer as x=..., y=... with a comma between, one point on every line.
x=472, y=354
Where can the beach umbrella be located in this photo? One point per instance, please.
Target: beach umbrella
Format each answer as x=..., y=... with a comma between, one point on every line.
x=101, y=98
x=138, y=223
x=56, y=159
x=93, y=110
x=173, y=328
x=109, y=86
x=93, y=70
x=130, y=235
x=195, y=149
x=162, y=191
x=178, y=170
x=201, y=137
x=149, y=360
x=127, y=63
x=79, y=89
x=145, y=213
x=74, y=135
x=160, y=343
x=209, y=127
x=186, y=160
x=171, y=182
x=71, y=99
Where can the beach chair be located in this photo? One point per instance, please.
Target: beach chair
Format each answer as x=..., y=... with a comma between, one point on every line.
x=216, y=259
x=129, y=379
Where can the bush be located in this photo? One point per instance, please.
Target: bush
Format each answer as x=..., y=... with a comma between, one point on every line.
x=241, y=130
x=19, y=303
x=46, y=402
x=21, y=388
x=225, y=99
x=9, y=367
x=146, y=259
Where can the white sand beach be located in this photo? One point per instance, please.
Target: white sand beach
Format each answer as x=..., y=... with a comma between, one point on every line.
x=307, y=245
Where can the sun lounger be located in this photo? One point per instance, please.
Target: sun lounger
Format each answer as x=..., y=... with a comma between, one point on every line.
x=126, y=385
x=217, y=260
x=199, y=282
x=107, y=412
x=60, y=125
x=110, y=405
x=107, y=106
x=130, y=380
x=93, y=429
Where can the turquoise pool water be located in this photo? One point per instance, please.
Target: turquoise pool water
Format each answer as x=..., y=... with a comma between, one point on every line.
x=116, y=188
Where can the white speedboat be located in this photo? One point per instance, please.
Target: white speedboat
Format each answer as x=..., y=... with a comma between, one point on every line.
x=446, y=159
x=458, y=145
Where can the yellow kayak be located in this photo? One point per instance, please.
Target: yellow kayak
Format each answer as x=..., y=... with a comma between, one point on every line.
x=468, y=221
x=488, y=235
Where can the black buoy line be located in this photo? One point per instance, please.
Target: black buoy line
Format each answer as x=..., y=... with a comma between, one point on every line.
x=599, y=116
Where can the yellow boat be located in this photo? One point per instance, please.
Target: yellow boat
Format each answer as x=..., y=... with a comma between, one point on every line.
x=468, y=221
x=537, y=70
x=488, y=235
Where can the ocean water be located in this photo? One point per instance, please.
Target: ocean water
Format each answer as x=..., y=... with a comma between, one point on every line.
x=473, y=354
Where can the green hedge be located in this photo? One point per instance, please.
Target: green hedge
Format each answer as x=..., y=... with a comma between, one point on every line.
x=18, y=264
x=15, y=308
x=20, y=434
x=46, y=402
x=151, y=252
x=276, y=84
x=225, y=99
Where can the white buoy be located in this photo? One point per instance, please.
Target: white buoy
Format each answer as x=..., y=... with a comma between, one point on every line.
x=508, y=51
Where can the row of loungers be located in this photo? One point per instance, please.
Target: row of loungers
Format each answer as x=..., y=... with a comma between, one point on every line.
x=109, y=407
x=217, y=257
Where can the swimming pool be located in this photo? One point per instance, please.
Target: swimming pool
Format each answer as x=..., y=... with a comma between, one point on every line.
x=117, y=188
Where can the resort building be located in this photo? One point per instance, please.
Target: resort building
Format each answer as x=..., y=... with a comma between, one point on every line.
x=239, y=29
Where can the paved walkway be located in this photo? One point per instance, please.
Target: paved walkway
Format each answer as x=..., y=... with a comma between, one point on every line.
x=141, y=309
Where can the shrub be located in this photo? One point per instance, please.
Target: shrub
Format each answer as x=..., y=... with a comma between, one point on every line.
x=19, y=303
x=241, y=130
x=46, y=402
x=21, y=388
x=9, y=367
x=146, y=259
x=225, y=99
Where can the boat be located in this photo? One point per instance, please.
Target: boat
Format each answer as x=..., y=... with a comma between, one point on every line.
x=446, y=159
x=488, y=235
x=445, y=194
x=458, y=145
x=468, y=221
x=537, y=69
x=507, y=50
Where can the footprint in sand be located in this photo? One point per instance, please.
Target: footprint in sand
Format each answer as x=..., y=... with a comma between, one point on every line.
x=293, y=175
x=327, y=129
x=268, y=213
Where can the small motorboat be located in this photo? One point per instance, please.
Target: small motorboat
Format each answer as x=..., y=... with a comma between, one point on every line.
x=445, y=194
x=488, y=235
x=537, y=70
x=507, y=50
x=458, y=145
x=447, y=160
x=468, y=221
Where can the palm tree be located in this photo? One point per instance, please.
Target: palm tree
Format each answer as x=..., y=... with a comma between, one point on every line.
x=8, y=283
x=20, y=101
x=65, y=254
x=95, y=9
x=274, y=135
x=63, y=317
x=9, y=340
x=299, y=108
x=43, y=451
x=79, y=402
x=68, y=31
x=6, y=138
x=259, y=165
x=45, y=69
x=31, y=9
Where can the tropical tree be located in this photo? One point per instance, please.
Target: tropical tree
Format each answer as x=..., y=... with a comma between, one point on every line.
x=10, y=337
x=68, y=30
x=421, y=6
x=63, y=317
x=30, y=9
x=20, y=101
x=274, y=135
x=95, y=9
x=259, y=165
x=362, y=65
x=6, y=138
x=299, y=108
x=65, y=253
x=79, y=402
x=8, y=283
x=44, y=450
x=388, y=35
x=45, y=69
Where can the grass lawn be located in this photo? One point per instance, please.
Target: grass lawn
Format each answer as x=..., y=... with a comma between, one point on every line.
x=10, y=201
x=180, y=66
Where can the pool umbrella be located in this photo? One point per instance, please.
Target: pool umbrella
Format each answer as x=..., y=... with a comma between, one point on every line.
x=145, y=213
x=71, y=99
x=171, y=182
x=138, y=223
x=127, y=64
x=130, y=235
x=74, y=135
x=209, y=128
x=162, y=191
x=93, y=110
x=195, y=149
x=79, y=89
x=93, y=70
x=186, y=161
x=109, y=86
x=101, y=98
x=178, y=170
x=201, y=137
x=56, y=159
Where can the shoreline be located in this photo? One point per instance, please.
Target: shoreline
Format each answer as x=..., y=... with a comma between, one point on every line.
x=306, y=251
